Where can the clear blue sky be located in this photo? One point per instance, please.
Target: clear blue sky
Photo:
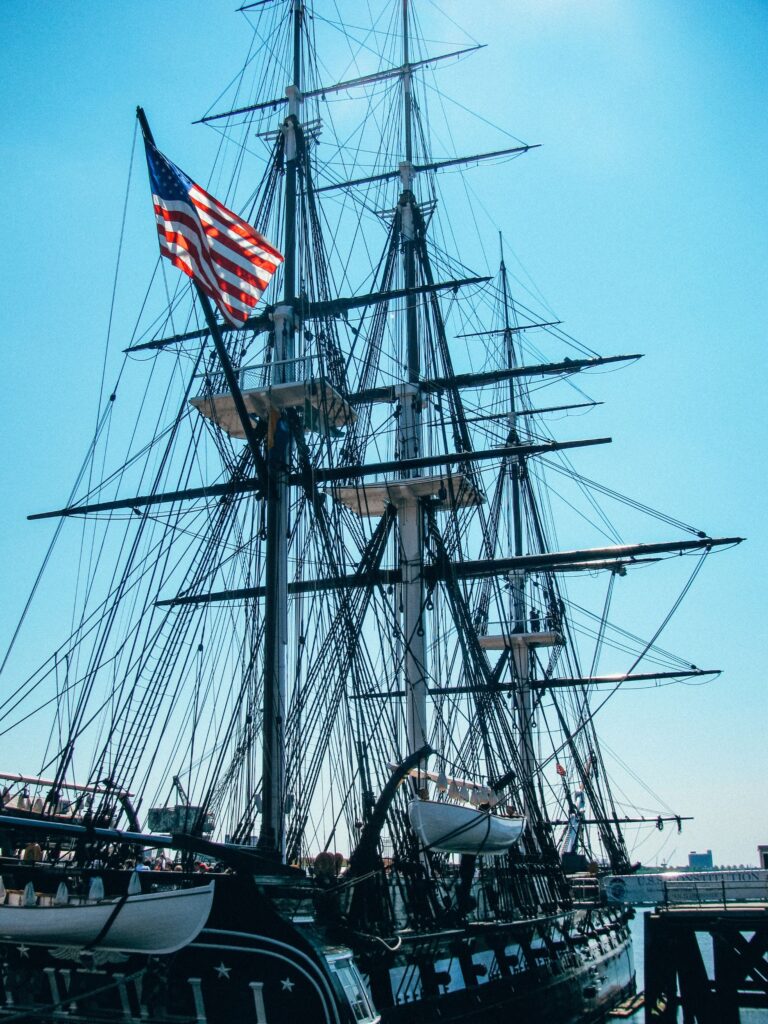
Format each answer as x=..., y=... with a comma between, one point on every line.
x=643, y=220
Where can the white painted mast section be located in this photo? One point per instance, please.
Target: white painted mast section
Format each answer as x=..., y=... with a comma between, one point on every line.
x=409, y=445
x=412, y=586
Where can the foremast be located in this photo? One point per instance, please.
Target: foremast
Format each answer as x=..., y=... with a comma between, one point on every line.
x=409, y=443
x=523, y=691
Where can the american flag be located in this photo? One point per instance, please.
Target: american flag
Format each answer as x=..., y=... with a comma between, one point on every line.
x=225, y=255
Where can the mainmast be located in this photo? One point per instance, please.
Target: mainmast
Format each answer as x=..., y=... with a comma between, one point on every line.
x=272, y=833
x=524, y=699
x=409, y=431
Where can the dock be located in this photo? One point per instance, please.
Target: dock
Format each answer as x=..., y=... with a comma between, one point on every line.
x=628, y=1008
x=708, y=989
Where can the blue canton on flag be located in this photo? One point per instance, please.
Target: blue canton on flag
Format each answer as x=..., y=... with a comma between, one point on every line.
x=225, y=255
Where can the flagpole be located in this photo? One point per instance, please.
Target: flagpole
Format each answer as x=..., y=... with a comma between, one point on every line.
x=274, y=488
x=221, y=351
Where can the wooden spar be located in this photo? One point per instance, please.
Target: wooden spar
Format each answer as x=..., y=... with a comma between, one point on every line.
x=619, y=677
x=532, y=412
x=622, y=820
x=388, y=393
x=546, y=684
x=320, y=476
x=559, y=561
x=494, y=567
x=190, y=494
x=509, y=330
x=352, y=83
x=34, y=780
x=435, y=165
x=176, y=339
x=312, y=310
x=378, y=577
x=423, y=462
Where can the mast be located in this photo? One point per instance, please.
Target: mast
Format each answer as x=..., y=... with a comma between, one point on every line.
x=524, y=692
x=409, y=431
x=272, y=833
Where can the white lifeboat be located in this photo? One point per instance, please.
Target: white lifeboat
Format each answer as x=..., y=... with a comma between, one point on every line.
x=152, y=923
x=453, y=828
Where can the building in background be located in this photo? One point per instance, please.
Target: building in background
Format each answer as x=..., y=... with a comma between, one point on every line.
x=700, y=861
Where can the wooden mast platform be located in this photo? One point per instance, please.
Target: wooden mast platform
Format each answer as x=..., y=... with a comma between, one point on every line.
x=329, y=407
x=500, y=641
x=452, y=490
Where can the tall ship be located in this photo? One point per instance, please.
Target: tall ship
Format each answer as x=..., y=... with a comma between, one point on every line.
x=311, y=730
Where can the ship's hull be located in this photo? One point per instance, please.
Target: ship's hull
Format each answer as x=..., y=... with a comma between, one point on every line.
x=255, y=961
x=558, y=992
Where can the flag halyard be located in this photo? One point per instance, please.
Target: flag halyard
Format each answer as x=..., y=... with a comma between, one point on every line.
x=227, y=257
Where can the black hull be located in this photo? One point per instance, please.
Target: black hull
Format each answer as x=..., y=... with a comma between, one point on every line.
x=256, y=962
x=555, y=995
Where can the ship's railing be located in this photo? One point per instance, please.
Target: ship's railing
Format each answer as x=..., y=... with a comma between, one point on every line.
x=714, y=892
x=301, y=368
x=536, y=622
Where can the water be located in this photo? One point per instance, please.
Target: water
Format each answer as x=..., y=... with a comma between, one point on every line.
x=748, y=1016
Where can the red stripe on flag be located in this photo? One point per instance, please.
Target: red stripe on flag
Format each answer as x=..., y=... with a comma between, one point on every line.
x=230, y=260
x=182, y=230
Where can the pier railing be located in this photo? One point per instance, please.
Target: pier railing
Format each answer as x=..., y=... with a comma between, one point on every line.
x=713, y=892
